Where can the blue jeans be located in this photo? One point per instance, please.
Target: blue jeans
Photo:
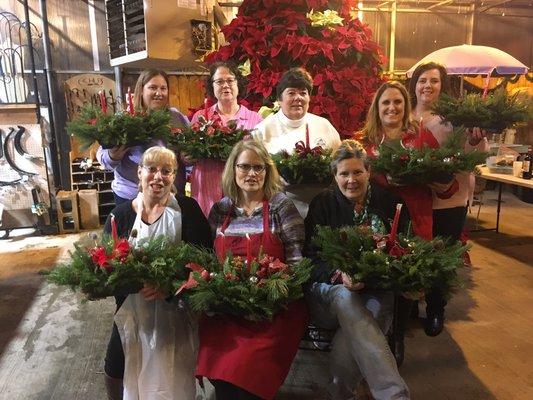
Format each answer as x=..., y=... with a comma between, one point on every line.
x=359, y=346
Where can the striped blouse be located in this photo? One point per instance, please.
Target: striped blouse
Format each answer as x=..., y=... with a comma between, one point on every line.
x=285, y=222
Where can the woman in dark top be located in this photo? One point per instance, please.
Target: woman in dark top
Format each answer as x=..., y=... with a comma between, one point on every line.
x=155, y=211
x=361, y=316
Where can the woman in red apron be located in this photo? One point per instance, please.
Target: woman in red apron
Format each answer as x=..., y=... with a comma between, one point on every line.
x=389, y=118
x=244, y=359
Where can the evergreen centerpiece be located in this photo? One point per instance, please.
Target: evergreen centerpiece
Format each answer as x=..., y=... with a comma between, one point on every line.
x=252, y=288
x=385, y=262
x=110, y=130
x=355, y=251
x=208, y=138
x=422, y=264
x=324, y=36
x=304, y=165
x=495, y=112
x=419, y=166
x=111, y=266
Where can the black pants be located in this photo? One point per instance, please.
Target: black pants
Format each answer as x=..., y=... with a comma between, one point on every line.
x=114, y=358
x=227, y=391
x=448, y=223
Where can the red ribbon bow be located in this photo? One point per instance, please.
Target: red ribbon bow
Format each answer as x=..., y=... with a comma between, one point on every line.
x=302, y=150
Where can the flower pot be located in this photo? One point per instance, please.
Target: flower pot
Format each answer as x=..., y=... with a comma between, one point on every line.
x=302, y=194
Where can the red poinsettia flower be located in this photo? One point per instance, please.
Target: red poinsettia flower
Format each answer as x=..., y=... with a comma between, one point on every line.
x=100, y=258
x=276, y=266
x=121, y=249
x=210, y=131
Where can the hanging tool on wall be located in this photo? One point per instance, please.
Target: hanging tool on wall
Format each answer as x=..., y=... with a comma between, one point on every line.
x=6, y=183
x=8, y=158
x=1, y=147
x=17, y=142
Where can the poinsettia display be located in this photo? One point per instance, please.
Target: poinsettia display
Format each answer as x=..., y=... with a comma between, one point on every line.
x=106, y=266
x=123, y=128
x=253, y=288
x=408, y=165
x=495, y=112
x=208, y=138
x=304, y=164
x=268, y=37
x=391, y=262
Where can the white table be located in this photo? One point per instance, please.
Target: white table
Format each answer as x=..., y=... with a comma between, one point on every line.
x=501, y=179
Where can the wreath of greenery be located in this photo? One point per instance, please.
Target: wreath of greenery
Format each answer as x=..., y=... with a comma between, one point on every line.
x=122, y=128
x=109, y=267
x=306, y=166
x=230, y=287
x=420, y=166
x=208, y=139
x=497, y=111
x=420, y=265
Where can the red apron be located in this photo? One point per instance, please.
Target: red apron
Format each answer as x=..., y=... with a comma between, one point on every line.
x=255, y=356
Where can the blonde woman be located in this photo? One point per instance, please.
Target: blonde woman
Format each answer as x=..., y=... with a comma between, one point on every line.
x=135, y=355
x=254, y=213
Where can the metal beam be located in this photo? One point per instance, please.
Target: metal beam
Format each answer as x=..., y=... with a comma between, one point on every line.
x=383, y=3
x=230, y=4
x=489, y=6
x=440, y=4
x=392, y=47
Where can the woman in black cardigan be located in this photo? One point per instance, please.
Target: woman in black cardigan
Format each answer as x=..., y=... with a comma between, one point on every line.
x=360, y=316
x=157, y=210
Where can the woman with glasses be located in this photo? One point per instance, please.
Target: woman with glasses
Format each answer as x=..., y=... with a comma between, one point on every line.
x=151, y=93
x=157, y=353
x=243, y=359
x=226, y=84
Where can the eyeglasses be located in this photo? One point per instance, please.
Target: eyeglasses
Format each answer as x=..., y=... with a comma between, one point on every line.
x=221, y=82
x=247, y=168
x=165, y=172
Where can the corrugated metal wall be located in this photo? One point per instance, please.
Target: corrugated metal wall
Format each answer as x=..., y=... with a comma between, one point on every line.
x=418, y=34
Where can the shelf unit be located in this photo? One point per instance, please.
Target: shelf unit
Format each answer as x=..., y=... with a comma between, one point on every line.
x=95, y=178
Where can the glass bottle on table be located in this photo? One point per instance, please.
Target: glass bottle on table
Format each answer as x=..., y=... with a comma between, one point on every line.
x=527, y=165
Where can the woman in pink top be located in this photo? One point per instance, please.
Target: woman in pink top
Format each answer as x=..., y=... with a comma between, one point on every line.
x=449, y=212
x=226, y=84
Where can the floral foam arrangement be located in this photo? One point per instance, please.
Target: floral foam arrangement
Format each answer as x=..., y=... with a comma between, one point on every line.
x=388, y=262
x=495, y=112
x=208, y=138
x=123, y=128
x=112, y=266
x=252, y=288
x=408, y=165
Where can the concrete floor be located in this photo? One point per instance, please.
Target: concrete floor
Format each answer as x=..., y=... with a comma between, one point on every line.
x=52, y=344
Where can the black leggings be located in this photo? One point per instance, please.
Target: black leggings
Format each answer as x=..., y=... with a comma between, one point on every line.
x=448, y=223
x=227, y=391
x=114, y=358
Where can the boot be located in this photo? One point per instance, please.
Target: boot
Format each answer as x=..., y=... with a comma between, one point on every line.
x=113, y=387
